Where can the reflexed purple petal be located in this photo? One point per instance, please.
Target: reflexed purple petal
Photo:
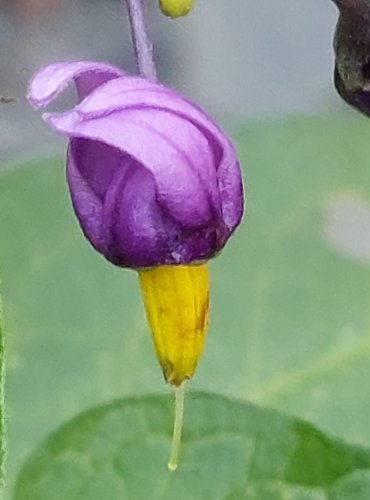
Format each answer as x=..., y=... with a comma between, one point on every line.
x=130, y=230
x=97, y=162
x=50, y=81
x=113, y=250
x=153, y=179
x=188, y=140
x=86, y=204
x=171, y=169
x=130, y=91
x=139, y=228
x=133, y=92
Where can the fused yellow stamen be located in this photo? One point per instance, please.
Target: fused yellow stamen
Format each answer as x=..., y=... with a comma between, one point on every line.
x=175, y=8
x=176, y=300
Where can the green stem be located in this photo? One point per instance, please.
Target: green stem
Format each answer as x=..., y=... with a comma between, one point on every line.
x=177, y=429
x=2, y=404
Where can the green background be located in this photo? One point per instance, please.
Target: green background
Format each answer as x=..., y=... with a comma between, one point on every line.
x=290, y=311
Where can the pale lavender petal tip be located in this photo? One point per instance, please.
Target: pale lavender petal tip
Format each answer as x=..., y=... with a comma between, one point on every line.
x=153, y=179
x=51, y=80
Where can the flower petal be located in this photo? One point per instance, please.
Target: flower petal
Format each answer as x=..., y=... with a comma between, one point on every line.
x=135, y=92
x=153, y=178
x=139, y=225
x=171, y=169
x=191, y=144
x=86, y=203
x=50, y=81
x=97, y=163
x=119, y=214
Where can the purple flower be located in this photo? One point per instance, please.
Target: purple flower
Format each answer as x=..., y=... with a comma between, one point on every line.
x=153, y=179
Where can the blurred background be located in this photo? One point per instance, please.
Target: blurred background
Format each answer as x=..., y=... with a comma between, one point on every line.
x=290, y=323
x=239, y=58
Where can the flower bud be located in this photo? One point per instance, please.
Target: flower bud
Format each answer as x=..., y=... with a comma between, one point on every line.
x=156, y=186
x=153, y=180
x=175, y=8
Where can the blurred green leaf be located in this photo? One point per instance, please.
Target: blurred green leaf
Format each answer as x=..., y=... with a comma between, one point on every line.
x=2, y=403
x=290, y=314
x=230, y=450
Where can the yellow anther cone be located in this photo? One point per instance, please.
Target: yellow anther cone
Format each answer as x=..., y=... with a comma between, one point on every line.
x=175, y=8
x=176, y=300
